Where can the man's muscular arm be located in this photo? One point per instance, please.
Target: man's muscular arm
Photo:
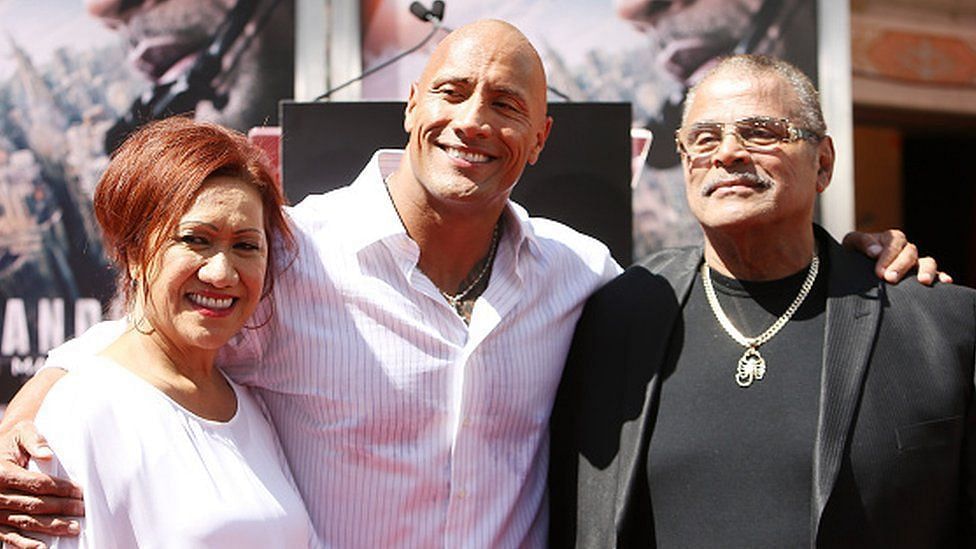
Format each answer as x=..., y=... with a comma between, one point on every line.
x=32, y=501
x=28, y=399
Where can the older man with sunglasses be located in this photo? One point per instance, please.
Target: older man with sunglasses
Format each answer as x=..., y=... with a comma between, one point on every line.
x=767, y=390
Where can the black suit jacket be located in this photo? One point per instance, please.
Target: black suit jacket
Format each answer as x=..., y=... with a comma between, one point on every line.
x=894, y=462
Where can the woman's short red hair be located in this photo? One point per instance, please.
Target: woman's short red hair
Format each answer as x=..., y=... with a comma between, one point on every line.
x=154, y=177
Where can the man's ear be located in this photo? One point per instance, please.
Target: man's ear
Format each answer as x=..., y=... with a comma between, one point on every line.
x=411, y=105
x=825, y=163
x=540, y=141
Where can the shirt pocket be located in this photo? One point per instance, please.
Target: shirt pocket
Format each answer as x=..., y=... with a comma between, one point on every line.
x=930, y=434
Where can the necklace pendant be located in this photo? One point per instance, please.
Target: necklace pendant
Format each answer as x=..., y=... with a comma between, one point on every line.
x=752, y=367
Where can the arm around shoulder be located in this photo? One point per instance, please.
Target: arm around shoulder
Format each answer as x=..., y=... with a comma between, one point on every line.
x=32, y=501
x=28, y=399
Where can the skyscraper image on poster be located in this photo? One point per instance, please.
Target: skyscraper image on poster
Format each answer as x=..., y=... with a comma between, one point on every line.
x=645, y=52
x=76, y=76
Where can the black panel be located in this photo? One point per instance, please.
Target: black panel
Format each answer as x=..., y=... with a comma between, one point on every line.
x=582, y=178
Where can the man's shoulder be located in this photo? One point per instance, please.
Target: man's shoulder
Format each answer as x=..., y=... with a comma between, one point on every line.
x=76, y=352
x=908, y=304
x=856, y=265
x=320, y=209
x=557, y=237
x=562, y=249
x=937, y=296
x=86, y=396
x=670, y=258
x=919, y=316
x=345, y=204
x=662, y=269
x=655, y=283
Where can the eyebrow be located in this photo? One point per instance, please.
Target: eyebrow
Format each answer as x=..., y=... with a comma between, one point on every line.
x=496, y=89
x=214, y=228
x=511, y=92
x=448, y=79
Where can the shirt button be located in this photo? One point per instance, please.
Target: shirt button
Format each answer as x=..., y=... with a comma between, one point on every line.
x=466, y=422
x=461, y=494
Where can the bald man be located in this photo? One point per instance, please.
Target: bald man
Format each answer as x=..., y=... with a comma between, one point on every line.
x=411, y=359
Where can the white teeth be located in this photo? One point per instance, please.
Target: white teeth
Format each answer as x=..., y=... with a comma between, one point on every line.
x=211, y=302
x=468, y=156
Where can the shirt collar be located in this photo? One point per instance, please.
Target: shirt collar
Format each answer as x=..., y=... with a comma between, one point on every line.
x=379, y=220
x=376, y=218
x=519, y=230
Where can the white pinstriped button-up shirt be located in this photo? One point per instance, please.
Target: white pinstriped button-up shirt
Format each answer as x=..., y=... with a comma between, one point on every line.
x=403, y=426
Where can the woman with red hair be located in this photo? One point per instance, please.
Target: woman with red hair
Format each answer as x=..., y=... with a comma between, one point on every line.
x=168, y=451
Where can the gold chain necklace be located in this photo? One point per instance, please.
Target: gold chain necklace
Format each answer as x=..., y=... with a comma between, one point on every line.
x=752, y=366
x=456, y=299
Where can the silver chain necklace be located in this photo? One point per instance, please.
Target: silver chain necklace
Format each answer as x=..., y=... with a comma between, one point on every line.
x=752, y=366
x=455, y=299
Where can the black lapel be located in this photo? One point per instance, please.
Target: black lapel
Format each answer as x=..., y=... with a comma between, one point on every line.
x=677, y=268
x=854, y=303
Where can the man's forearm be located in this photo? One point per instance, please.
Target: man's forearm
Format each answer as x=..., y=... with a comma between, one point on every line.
x=28, y=399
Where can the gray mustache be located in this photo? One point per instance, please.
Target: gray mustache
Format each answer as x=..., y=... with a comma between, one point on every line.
x=751, y=179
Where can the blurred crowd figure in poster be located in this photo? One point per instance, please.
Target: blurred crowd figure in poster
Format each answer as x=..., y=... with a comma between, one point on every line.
x=229, y=61
x=689, y=36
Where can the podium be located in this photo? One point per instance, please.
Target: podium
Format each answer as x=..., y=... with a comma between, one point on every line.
x=582, y=178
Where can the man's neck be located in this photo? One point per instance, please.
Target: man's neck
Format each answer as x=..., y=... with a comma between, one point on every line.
x=759, y=254
x=452, y=241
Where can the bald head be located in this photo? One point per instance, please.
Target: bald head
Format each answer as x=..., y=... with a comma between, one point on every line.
x=488, y=41
x=477, y=115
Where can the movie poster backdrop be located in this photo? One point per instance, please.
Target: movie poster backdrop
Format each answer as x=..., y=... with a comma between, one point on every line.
x=74, y=75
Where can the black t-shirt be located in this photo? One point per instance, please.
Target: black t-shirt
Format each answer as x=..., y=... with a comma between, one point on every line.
x=731, y=466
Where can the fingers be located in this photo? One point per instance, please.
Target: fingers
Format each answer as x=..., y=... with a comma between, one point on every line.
x=928, y=272
x=24, y=493
x=32, y=441
x=903, y=262
x=11, y=504
x=40, y=514
x=29, y=500
x=21, y=443
x=55, y=526
x=894, y=255
x=866, y=243
x=17, y=446
x=13, y=538
x=14, y=478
